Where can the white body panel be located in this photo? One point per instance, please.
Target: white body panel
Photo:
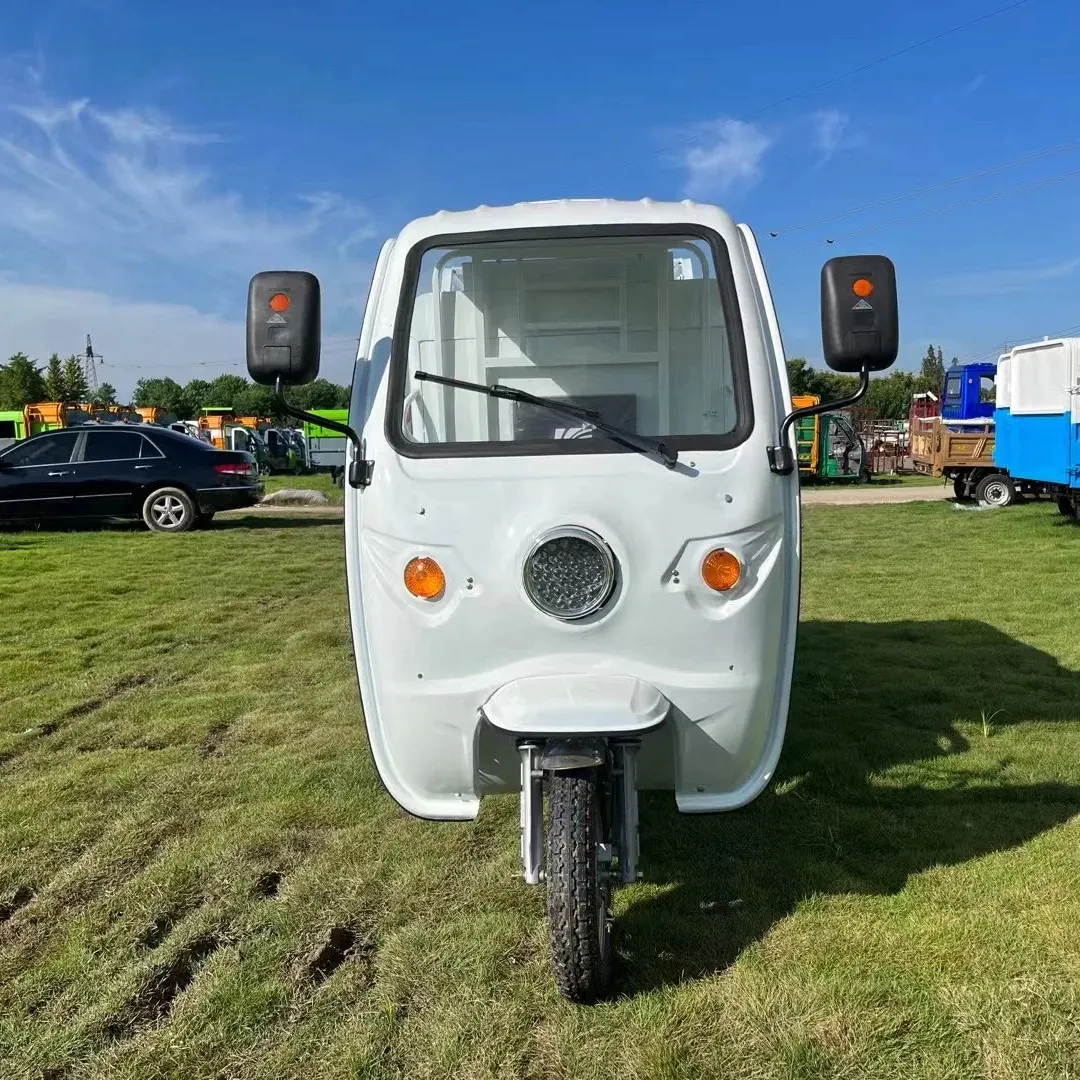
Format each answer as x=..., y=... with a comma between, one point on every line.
x=722, y=661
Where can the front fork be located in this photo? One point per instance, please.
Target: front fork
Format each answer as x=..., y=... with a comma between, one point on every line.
x=619, y=757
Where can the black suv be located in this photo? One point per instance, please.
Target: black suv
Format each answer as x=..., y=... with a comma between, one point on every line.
x=172, y=481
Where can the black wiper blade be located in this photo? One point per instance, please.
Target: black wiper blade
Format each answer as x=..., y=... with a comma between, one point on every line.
x=641, y=443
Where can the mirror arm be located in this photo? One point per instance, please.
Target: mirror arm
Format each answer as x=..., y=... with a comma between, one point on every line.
x=360, y=470
x=781, y=456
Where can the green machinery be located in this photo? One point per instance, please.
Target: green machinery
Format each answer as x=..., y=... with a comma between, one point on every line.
x=12, y=427
x=827, y=445
x=326, y=448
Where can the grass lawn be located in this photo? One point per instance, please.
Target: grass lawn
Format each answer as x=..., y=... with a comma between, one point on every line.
x=200, y=875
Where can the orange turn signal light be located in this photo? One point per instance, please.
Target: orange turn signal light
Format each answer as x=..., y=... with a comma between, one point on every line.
x=862, y=287
x=721, y=570
x=279, y=302
x=424, y=578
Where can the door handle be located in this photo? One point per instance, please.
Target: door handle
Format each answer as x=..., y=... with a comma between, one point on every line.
x=66, y=473
x=144, y=466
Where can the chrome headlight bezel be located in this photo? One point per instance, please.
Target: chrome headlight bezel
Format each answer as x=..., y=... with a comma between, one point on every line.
x=601, y=596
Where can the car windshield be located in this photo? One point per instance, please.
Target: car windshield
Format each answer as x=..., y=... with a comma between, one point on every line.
x=636, y=328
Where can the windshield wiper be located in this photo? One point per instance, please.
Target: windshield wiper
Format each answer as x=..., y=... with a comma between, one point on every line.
x=631, y=439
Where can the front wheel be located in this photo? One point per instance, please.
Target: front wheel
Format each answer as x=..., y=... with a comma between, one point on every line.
x=169, y=510
x=1067, y=508
x=995, y=490
x=578, y=886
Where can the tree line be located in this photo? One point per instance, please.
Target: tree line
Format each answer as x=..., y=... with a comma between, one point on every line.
x=889, y=396
x=23, y=382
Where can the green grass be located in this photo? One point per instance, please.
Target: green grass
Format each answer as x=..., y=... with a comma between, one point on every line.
x=188, y=810
x=314, y=482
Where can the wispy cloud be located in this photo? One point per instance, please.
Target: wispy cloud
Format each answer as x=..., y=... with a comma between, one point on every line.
x=974, y=84
x=832, y=133
x=78, y=178
x=1014, y=279
x=126, y=202
x=724, y=154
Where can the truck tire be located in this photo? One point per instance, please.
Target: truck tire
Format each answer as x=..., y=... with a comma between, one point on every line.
x=578, y=895
x=960, y=490
x=997, y=489
x=1067, y=508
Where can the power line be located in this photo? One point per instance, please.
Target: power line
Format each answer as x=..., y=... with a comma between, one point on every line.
x=940, y=185
x=845, y=75
x=941, y=210
x=994, y=352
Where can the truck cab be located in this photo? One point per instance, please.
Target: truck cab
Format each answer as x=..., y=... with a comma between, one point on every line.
x=969, y=392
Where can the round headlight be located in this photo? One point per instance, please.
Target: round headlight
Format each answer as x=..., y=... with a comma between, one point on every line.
x=570, y=573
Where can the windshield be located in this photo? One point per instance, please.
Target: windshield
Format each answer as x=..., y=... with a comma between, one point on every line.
x=637, y=328
x=952, y=388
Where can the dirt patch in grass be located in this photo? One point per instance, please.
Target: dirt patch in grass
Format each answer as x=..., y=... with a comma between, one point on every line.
x=155, y=1001
x=19, y=899
x=268, y=884
x=342, y=944
x=213, y=740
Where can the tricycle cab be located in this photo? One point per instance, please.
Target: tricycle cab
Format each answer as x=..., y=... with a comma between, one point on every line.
x=660, y=318
x=572, y=518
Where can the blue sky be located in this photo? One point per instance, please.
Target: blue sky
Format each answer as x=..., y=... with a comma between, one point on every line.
x=153, y=156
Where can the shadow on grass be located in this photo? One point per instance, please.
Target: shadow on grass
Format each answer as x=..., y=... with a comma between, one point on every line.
x=867, y=698
x=278, y=521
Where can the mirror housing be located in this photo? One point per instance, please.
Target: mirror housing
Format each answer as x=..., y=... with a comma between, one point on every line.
x=859, y=321
x=283, y=327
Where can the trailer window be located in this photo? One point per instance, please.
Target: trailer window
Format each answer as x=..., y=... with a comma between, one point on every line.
x=642, y=328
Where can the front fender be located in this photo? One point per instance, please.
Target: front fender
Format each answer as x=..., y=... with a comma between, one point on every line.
x=576, y=705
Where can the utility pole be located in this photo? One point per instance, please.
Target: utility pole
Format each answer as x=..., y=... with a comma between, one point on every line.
x=90, y=362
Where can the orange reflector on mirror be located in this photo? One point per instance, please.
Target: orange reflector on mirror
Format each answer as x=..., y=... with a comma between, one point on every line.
x=721, y=570
x=424, y=578
x=279, y=302
x=862, y=288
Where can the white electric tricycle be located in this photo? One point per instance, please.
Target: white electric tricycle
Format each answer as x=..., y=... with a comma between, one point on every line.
x=572, y=519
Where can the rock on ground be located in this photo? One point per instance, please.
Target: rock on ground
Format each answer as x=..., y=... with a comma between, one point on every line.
x=295, y=497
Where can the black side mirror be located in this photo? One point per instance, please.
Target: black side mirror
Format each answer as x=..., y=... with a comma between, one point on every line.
x=860, y=333
x=283, y=327
x=859, y=321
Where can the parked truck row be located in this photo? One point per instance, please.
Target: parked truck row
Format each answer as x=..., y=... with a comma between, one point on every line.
x=1008, y=429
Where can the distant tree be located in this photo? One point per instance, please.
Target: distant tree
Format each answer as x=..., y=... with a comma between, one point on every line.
x=321, y=394
x=75, y=388
x=801, y=375
x=225, y=390
x=255, y=400
x=194, y=397
x=105, y=394
x=931, y=372
x=165, y=393
x=54, y=379
x=890, y=396
x=21, y=382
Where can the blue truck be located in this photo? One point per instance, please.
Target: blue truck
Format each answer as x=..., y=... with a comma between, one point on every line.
x=969, y=392
x=1037, y=420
